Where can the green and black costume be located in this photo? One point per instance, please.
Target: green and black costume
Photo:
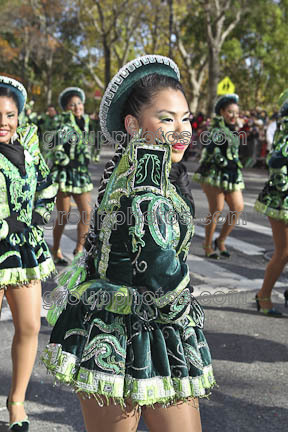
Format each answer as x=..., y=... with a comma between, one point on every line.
x=71, y=153
x=47, y=127
x=273, y=200
x=220, y=165
x=27, y=196
x=127, y=326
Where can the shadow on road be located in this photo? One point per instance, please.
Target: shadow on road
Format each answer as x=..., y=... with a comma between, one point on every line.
x=241, y=415
x=245, y=349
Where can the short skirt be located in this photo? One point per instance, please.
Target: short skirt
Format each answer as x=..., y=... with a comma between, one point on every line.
x=227, y=179
x=273, y=202
x=72, y=180
x=121, y=357
x=25, y=257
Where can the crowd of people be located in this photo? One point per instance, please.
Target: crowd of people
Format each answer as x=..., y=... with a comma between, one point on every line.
x=133, y=342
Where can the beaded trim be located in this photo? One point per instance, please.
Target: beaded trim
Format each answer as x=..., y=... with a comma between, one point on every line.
x=118, y=79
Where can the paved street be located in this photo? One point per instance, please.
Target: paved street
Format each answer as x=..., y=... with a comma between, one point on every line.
x=249, y=350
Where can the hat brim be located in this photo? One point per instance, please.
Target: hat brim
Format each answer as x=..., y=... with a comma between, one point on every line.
x=120, y=88
x=17, y=88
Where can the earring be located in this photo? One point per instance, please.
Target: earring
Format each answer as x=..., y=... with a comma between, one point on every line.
x=14, y=137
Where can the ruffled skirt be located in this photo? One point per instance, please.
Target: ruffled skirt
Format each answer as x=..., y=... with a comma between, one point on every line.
x=227, y=179
x=25, y=257
x=72, y=180
x=121, y=356
x=273, y=202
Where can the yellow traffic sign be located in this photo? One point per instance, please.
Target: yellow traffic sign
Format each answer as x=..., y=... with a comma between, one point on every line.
x=225, y=86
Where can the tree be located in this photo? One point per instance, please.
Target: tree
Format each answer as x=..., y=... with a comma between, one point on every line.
x=221, y=17
x=112, y=26
x=192, y=47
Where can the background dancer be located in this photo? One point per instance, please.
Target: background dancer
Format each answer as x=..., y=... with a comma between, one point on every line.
x=48, y=123
x=220, y=174
x=273, y=202
x=27, y=199
x=70, y=158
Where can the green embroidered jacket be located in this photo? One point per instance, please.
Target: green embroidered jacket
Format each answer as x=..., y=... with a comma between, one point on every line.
x=277, y=159
x=70, y=143
x=23, y=195
x=139, y=244
x=221, y=145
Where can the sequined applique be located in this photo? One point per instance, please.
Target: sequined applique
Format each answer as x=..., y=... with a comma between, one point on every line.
x=107, y=353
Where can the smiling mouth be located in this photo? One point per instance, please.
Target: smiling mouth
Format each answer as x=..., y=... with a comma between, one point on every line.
x=179, y=146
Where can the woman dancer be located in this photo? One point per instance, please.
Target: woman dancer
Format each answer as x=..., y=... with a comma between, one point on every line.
x=220, y=174
x=27, y=199
x=134, y=340
x=273, y=202
x=70, y=159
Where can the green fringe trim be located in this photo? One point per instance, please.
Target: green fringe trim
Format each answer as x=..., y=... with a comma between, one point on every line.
x=230, y=187
x=20, y=276
x=271, y=212
x=74, y=189
x=119, y=388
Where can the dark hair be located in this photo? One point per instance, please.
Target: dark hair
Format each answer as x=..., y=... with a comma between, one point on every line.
x=5, y=91
x=144, y=90
x=224, y=101
x=68, y=96
x=141, y=94
x=226, y=104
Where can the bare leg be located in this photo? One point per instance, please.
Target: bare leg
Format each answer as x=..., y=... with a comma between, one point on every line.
x=183, y=417
x=2, y=291
x=277, y=263
x=215, y=198
x=25, y=305
x=109, y=418
x=236, y=205
x=83, y=202
x=63, y=202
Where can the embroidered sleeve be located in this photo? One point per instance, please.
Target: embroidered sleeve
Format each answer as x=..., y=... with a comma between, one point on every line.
x=162, y=278
x=45, y=194
x=58, y=154
x=277, y=158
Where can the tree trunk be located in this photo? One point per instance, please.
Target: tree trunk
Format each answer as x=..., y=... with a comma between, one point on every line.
x=214, y=72
x=49, y=63
x=170, y=2
x=195, y=101
x=107, y=57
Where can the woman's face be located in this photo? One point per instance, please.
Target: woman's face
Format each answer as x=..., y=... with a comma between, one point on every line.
x=165, y=119
x=75, y=105
x=230, y=114
x=8, y=119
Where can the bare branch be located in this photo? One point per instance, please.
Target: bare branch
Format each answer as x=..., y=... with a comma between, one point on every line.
x=230, y=27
